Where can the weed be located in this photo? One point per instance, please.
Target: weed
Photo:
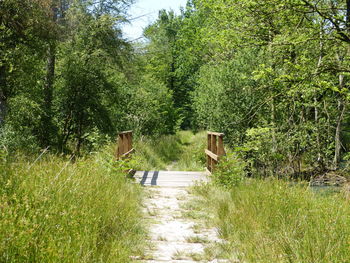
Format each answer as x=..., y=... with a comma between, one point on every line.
x=56, y=210
x=162, y=238
x=197, y=239
x=273, y=221
x=179, y=255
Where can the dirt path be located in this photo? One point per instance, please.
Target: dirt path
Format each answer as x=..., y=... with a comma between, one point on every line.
x=176, y=231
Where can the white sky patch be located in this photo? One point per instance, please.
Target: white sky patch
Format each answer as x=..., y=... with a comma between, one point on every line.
x=145, y=12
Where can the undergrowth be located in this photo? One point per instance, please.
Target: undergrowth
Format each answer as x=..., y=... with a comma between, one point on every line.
x=274, y=221
x=56, y=210
x=183, y=151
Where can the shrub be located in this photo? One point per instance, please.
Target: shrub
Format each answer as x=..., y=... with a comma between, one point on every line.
x=230, y=171
x=22, y=126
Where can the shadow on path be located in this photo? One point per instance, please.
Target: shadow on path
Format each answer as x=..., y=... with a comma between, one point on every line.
x=154, y=177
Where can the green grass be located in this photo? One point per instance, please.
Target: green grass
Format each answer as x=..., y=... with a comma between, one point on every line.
x=192, y=157
x=157, y=154
x=58, y=211
x=272, y=221
x=183, y=151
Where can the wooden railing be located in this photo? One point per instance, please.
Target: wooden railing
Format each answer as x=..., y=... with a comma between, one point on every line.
x=215, y=150
x=125, y=148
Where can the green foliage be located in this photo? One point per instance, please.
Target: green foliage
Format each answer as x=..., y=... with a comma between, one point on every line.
x=157, y=154
x=151, y=110
x=229, y=172
x=80, y=97
x=264, y=69
x=192, y=157
x=54, y=210
x=183, y=151
x=23, y=125
x=257, y=149
x=174, y=56
x=223, y=98
x=78, y=84
x=274, y=221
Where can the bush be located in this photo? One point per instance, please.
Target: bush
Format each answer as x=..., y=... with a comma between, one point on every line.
x=22, y=126
x=151, y=111
x=230, y=171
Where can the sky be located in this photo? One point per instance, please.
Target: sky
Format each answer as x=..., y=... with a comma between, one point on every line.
x=144, y=12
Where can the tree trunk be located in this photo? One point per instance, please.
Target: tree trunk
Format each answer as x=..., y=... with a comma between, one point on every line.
x=48, y=88
x=319, y=156
x=273, y=124
x=337, y=137
x=319, y=63
x=341, y=111
x=273, y=108
x=3, y=108
x=79, y=139
x=3, y=97
x=48, y=94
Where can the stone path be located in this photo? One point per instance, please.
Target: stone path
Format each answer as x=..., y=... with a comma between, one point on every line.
x=175, y=236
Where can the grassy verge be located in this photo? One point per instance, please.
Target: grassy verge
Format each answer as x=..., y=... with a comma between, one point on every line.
x=272, y=221
x=183, y=151
x=58, y=211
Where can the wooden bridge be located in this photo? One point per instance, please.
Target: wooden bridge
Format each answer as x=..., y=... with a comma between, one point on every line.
x=215, y=150
x=171, y=230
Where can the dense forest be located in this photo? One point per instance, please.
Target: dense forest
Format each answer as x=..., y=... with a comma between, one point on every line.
x=272, y=75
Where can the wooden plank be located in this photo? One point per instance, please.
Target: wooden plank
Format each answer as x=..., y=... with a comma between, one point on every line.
x=214, y=150
x=124, y=132
x=127, y=153
x=208, y=162
x=130, y=141
x=117, y=148
x=216, y=133
x=213, y=164
x=209, y=142
x=214, y=147
x=212, y=155
x=221, y=149
x=126, y=142
x=124, y=145
x=209, y=148
x=120, y=145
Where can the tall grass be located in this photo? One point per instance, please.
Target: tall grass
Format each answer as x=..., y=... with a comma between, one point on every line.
x=59, y=211
x=272, y=221
x=183, y=151
x=192, y=157
x=156, y=154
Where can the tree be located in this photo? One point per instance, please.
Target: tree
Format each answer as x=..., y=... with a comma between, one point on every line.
x=18, y=29
x=297, y=83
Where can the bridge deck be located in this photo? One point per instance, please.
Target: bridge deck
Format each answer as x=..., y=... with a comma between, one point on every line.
x=169, y=178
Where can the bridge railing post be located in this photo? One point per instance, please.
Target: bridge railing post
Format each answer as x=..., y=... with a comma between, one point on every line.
x=215, y=149
x=125, y=148
x=209, y=149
